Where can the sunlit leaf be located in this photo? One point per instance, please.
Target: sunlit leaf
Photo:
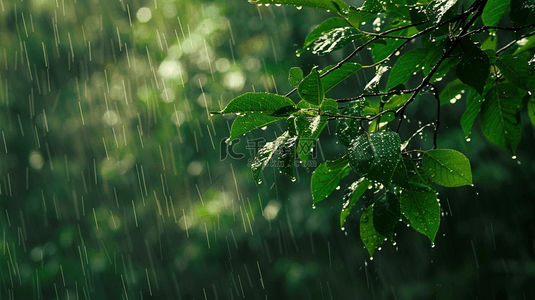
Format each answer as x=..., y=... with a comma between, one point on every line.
x=493, y=11
x=500, y=116
x=447, y=167
x=327, y=176
x=386, y=213
x=420, y=206
x=375, y=155
x=369, y=236
x=351, y=196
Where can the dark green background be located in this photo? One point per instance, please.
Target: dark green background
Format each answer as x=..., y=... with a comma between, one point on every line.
x=60, y=178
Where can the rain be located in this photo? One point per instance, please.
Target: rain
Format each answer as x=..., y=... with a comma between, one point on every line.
x=117, y=180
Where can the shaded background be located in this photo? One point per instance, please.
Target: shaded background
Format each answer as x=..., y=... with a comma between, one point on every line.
x=115, y=184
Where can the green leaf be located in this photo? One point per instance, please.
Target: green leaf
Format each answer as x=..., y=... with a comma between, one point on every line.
x=405, y=67
x=386, y=213
x=453, y=92
x=380, y=52
x=529, y=44
x=372, y=6
x=369, y=236
x=287, y=156
x=284, y=111
x=253, y=111
x=265, y=154
x=335, y=39
x=500, y=116
x=437, y=9
x=311, y=89
x=474, y=68
x=327, y=176
x=375, y=155
x=320, y=30
x=397, y=101
x=349, y=129
x=351, y=196
x=514, y=69
x=309, y=128
x=522, y=12
x=446, y=167
x=493, y=11
x=420, y=206
x=531, y=110
x=330, y=5
x=296, y=76
x=374, y=82
x=473, y=107
x=337, y=76
x=407, y=172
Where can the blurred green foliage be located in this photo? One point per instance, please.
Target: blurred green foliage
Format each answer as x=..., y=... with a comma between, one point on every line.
x=112, y=184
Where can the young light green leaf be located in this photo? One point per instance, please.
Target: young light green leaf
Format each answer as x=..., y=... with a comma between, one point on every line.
x=386, y=213
x=296, y=76
x=329, y=5
x=351, y=196
x=515, y=69
x=405, y=67
x=253, y=111
x=375, y=155
x=474, y=68
x=265, y=154
x=349, y=129
x=500, y=116
x=420, y=206
x=369, y=236
x=311, y=89
x=337, y=76
x=447, y=167
x=493, y=11
x=320, y=30
x=473, y=107
x=327, y=176
x=438, y=8
x=335, y=39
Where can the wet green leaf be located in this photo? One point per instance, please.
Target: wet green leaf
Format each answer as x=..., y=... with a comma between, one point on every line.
x=351, y=196
x=284, y=111
x=375, y=155
x=447, y=167
x=474, y=68
x=453, y=92
x=386, y=213
x=493, y=11
x=515, y=69
x=253, y=111
x=500, y=116
x=407, y=172
x=337, y=76
x=420, y=206
x=322, y=29
x=349, y=129
x=327, y=176
x=438, y=8
x=287, y=156
x=473, y=107
x=522, y=12
x=369, y=236
x=531, y=110
x=265, y=154
x=311, y=89
x=406, y=67
x=335, y=39
x=296, y=76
